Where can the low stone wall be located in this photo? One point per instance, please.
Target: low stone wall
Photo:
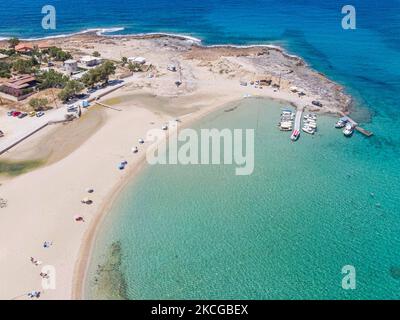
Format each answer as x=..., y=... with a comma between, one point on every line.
x=15, y=99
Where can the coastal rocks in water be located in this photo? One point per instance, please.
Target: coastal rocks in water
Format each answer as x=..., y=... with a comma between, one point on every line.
x=108, y=282
x=395, y=272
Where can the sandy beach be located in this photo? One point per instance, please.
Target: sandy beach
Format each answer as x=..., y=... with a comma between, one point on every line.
x=85, y=153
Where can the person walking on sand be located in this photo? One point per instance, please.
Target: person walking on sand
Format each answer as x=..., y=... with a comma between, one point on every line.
x=35, y=262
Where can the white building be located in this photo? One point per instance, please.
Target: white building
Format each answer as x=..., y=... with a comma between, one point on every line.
x=90, y=61
x=71, y=66
x=139, y=60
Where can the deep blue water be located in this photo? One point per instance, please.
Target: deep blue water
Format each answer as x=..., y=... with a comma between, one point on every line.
x=366, y=61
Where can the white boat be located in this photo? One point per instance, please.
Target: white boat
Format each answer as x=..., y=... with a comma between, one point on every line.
x=286, y=126
x=348, y=130
x=341, y=123
x=310, y=121
x=287, y=116
x=295, y=135
x=308, y=129
x=311, y=124
x=310, y=116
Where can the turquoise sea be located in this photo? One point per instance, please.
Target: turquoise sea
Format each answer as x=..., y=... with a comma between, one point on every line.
x=309, y=208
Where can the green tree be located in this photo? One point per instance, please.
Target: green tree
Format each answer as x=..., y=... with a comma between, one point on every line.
x=23, y=66
x=37, y=55
x=5, y=70
x=58, y=54
x=124, y=60
x=71, y=89
x=8, y=52
x=52, y=79
x=101, y=73
x=106, y=70
x=13, y=42
x=135, y=67
x=96, y=54
x=90, y=78
x=38, y=104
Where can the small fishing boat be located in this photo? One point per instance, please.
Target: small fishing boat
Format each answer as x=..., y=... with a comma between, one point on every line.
x=286, y=126
x=310, y=116
x=308, y=129
x=295, y=135
x=341, y=123
x=348, y=130
x=311, y=124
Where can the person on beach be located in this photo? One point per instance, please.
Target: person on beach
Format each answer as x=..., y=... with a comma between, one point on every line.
x=79, y=219
x=34, y=294
x=47, y=244
x=35, y=262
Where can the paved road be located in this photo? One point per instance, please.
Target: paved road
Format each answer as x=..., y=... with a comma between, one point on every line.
x=16, y=129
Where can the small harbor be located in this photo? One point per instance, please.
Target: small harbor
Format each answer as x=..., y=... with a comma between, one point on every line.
x=350, y=126
x=292, y=121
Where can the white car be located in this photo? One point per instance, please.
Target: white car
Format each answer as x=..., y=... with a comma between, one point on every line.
x=39, y=114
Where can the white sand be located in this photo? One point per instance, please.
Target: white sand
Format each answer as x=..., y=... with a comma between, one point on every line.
x=42, y=203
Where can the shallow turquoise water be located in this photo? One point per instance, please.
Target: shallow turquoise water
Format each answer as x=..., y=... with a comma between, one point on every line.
x=307, y=209
x=284, y=232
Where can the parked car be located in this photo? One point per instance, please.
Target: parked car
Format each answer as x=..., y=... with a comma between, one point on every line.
x=91, y=90
x=39, y=114
x=16, y=113
x=22, y=115
x=10, y=113
x=72, y=108
x=317, y=103
x=1, y=134
x=32, y=113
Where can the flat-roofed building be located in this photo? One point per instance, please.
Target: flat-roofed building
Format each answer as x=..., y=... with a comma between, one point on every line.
x=90, y=61
x=70, y=66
